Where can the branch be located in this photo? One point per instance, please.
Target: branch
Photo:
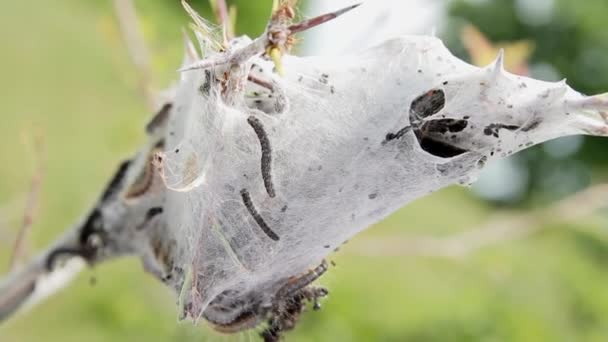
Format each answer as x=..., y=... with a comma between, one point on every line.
x=134, y=40
x=31, y=204
x=278, y=37
x=7, y=236
x=497, y=230
x=220, y=10
x=30, y=284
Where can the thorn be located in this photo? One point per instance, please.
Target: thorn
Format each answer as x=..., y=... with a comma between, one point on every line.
x=316, y=21
x=498, y=66
x=558, y=92
x=563, y=84
x=500, y=59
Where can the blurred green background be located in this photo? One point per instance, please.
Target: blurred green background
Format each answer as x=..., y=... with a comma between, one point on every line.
x=66, y=74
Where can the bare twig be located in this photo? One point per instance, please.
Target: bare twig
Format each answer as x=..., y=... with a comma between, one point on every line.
x=7, y=211
x=262, y=83
x=31, y=204
x=6, y=236
x=497, y=230
x=140, y=56
x=222, y=16
x=277, y=38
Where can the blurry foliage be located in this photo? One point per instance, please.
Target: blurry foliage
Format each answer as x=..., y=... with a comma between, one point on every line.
x=482, y=52
x=571, y=42
x=66, y=70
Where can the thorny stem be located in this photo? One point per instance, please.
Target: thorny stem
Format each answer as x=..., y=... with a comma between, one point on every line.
x=316, y=21
x=276, y=38
x=237, y=57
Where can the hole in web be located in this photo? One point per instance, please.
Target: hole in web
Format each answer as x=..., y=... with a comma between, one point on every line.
x=433, y=135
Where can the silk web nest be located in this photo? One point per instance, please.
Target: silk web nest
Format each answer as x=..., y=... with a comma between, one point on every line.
x=272, y=164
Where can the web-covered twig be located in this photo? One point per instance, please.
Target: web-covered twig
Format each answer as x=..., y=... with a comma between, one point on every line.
x=500, y=229
x=29, y=284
